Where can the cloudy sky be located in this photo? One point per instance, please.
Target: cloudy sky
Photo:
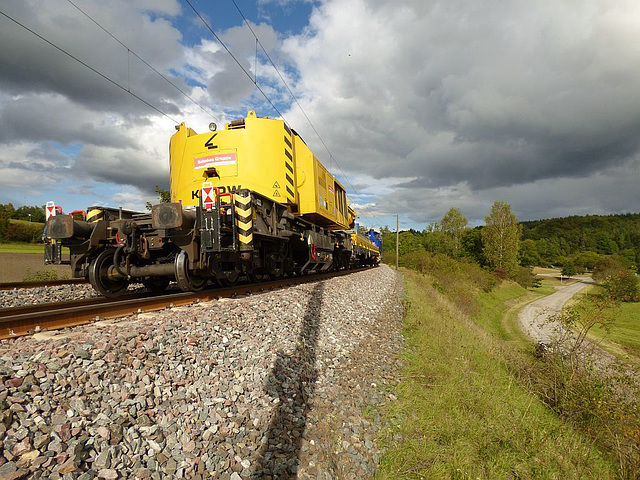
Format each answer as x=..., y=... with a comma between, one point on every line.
x=424, y=105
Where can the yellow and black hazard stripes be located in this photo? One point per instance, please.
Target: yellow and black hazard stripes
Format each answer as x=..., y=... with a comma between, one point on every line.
x=288, y=164
x=244, y=219
x=95, y=214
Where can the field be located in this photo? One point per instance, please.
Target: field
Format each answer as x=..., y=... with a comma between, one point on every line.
x=39, y=225
x=22, y=248
x=461, y=412
x=623, y=337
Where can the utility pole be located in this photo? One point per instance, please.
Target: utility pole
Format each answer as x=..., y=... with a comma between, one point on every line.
x=397, y=238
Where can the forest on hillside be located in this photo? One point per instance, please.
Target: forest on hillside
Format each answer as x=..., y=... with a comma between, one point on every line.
x=557, y=241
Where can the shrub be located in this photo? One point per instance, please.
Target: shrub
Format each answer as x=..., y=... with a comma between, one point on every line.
x=569, y=269
x=4, y=224
x=622, y=286
x=42, y=276
x=460, y=280
x=606, y=267
x=23, y=232
x=525, y=278
x=571, y=382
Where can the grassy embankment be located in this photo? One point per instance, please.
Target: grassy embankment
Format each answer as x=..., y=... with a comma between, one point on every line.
x=461, y=412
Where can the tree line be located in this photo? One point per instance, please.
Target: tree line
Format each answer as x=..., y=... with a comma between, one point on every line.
x=495, y=245
x=21, y=232
x=577, y=240
x=609, y=246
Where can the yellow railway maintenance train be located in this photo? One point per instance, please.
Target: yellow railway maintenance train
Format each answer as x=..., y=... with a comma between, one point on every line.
x=248, y=201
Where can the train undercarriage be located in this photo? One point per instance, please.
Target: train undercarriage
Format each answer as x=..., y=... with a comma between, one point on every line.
x=227, y=237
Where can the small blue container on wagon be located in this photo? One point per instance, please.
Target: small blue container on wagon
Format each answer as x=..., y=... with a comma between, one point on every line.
x=375, y=238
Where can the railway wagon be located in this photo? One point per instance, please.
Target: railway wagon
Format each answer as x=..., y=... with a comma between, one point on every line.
x=248, y=201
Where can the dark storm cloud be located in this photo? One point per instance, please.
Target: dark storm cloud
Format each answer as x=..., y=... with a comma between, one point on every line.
x=32, y=65
x=491, y=95
x=229, y=84
x=122, y=167
x=42, y=117
x=50, y=101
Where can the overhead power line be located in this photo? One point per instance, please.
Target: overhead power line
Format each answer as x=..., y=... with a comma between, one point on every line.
x=289, y=89
x=331, y=157
x=88, y=66
x=208, y=112
x=254, y=81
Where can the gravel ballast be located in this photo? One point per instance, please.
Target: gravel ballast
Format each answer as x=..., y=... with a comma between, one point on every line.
x=18, y=297
x=273, y=385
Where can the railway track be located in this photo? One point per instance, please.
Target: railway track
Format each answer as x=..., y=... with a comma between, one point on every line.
x=45, y=283
x=24, y=320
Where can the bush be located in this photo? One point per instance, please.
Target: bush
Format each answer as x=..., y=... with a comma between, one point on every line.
x=460, y=280
x=500, y=273
x=569, y=380
x=42, y=276
x=622, y=286
x=23, y=232
x=525, y=278
x=607, y=266
x=4, y=224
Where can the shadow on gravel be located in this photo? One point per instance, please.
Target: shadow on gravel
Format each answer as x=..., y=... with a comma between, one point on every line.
x=292, y=380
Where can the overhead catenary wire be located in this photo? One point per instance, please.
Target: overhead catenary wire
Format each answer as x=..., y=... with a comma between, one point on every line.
x=331, y=157
x=235, y=59
x=88, y=66
x=129, y=51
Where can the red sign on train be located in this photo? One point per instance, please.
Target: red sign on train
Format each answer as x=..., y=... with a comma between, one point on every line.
x=208, y=196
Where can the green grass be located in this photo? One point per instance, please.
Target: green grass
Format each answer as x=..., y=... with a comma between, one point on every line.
x=494, y=306
x=626, y=329
x=22, y=248
x=27, y=222
x=461, y=414
x=623, y=337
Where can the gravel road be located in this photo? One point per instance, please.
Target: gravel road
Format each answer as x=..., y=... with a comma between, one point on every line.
x=274, y=385
x=534, y=317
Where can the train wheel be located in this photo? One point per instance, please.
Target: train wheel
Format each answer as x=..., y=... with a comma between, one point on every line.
x=275, y=273
x=230, y=280
x=156, y=284
x=257, y=277
x=99, y=276
x=187, y=280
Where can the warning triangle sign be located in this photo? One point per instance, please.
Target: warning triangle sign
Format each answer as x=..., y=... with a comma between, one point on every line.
x=50, y=211
x=207, y=196
x=276, y=185
x=276, y=193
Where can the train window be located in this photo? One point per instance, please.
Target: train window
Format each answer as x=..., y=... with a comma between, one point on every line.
x=341, y=200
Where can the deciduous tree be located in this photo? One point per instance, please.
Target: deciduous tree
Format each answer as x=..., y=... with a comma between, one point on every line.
x=501, y=237
x=453, y=226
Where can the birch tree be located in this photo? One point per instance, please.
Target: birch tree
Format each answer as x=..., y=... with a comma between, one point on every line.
x=501, y=237
x=453, y=226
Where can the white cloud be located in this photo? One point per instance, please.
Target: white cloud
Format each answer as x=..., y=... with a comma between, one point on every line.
x=425, y=104
x=475, y=100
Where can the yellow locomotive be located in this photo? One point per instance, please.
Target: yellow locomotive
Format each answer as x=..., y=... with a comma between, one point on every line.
x=251, y=200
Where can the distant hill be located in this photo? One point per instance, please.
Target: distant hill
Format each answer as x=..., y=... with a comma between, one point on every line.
x=552, y=241
x=563, y=237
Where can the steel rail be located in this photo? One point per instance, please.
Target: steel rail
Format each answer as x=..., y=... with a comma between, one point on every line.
x=43, y=283
x=18, y=321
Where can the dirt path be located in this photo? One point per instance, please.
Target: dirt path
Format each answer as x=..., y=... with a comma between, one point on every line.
x=534, y=317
